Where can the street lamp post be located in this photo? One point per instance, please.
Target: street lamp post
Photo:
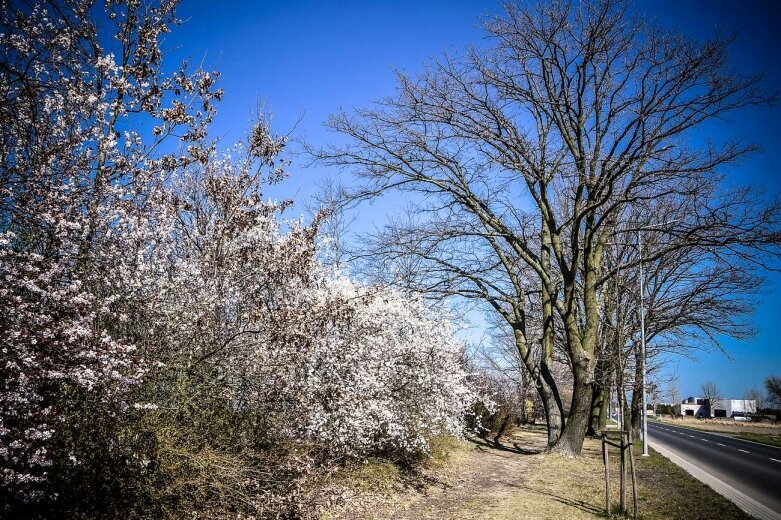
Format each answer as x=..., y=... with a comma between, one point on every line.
x=644, y=415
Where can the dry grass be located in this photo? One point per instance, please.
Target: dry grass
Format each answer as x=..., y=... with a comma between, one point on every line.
x=763, y=433
x=517, y=481
x=724, y=425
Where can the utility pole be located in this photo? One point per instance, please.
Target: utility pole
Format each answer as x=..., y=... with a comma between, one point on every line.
x=644, y=414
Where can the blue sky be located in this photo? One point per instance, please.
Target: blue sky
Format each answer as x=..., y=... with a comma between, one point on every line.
x=302, y=60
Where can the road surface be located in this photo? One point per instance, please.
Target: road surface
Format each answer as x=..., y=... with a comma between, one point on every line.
x=750, y=468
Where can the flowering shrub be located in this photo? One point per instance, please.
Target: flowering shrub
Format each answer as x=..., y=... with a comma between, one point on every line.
x=75, y=197
x=386, y=379
x=169, y=341
x=365, y=370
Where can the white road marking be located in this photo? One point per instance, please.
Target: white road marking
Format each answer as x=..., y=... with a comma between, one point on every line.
x=720, y=444
x=744, y=451
x=692, y=436
x=743, y=501
x=774, y=460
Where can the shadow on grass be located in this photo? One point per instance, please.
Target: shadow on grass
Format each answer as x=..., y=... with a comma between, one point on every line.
x=514, y=447
x=578, y=504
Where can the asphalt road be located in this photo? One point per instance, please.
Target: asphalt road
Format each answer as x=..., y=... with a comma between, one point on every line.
x=754, y=469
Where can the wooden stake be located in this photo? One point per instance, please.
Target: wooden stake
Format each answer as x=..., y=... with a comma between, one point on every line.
x=634, y=479
x=607, y=475
x=623, y=475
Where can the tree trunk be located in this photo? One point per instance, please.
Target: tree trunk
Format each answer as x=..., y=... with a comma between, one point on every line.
x=546, y=387
x=551, y=402
x=582, y=333
x=637, y=399
x=636, y=415
x=598, y=418
x=571, y=441
x=603, y=410
x=554, y=411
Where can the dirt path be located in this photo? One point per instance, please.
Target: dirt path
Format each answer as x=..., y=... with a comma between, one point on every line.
x=517, y=481
x=484, y=481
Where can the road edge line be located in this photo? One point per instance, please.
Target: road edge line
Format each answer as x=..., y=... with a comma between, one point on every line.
x=719, y=434
x=743, y=501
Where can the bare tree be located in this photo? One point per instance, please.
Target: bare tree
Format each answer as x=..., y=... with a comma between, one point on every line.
x=523, y=159
x=334, y=222
x=692, y=298
x=674, y=395
x=756, y=395
x=711, y=395
x=773, y=387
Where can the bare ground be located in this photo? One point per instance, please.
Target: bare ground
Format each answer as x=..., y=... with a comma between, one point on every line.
x=517, y=480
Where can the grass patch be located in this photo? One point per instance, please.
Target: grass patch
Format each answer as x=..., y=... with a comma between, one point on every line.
x=446, y=450
x=371, y=475
x=762, y=438
x=378, y=475
x=565, y=487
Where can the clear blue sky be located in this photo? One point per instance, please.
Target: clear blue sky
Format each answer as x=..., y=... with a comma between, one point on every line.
x=303, y=59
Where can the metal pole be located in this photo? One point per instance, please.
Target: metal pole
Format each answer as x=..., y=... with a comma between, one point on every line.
x=644, y=414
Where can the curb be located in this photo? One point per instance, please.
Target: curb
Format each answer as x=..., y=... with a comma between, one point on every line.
x=743, y=501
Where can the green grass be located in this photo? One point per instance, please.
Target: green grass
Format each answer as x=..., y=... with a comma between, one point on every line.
x=445, y=449
x=762, y=438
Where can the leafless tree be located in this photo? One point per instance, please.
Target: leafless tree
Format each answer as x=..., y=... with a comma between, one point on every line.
x=756, y=395
x=773, y=387
x=523, y=160
x=691, y=298
x=674, y=395
x=711, y=395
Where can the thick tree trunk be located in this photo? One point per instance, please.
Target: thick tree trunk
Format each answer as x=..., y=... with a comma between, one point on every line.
x=598, y=417
x=551, y=402
x=636, y=410
x=554, y=411
x=603, y=410
x=582, y=333
x=571, y=440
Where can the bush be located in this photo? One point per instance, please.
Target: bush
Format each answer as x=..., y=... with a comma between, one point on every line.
x=172, y=346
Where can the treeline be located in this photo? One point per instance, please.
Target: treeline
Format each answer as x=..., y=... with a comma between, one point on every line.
x=171, y=344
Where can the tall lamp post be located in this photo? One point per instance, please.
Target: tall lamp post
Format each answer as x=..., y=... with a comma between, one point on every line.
x=644, y=414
